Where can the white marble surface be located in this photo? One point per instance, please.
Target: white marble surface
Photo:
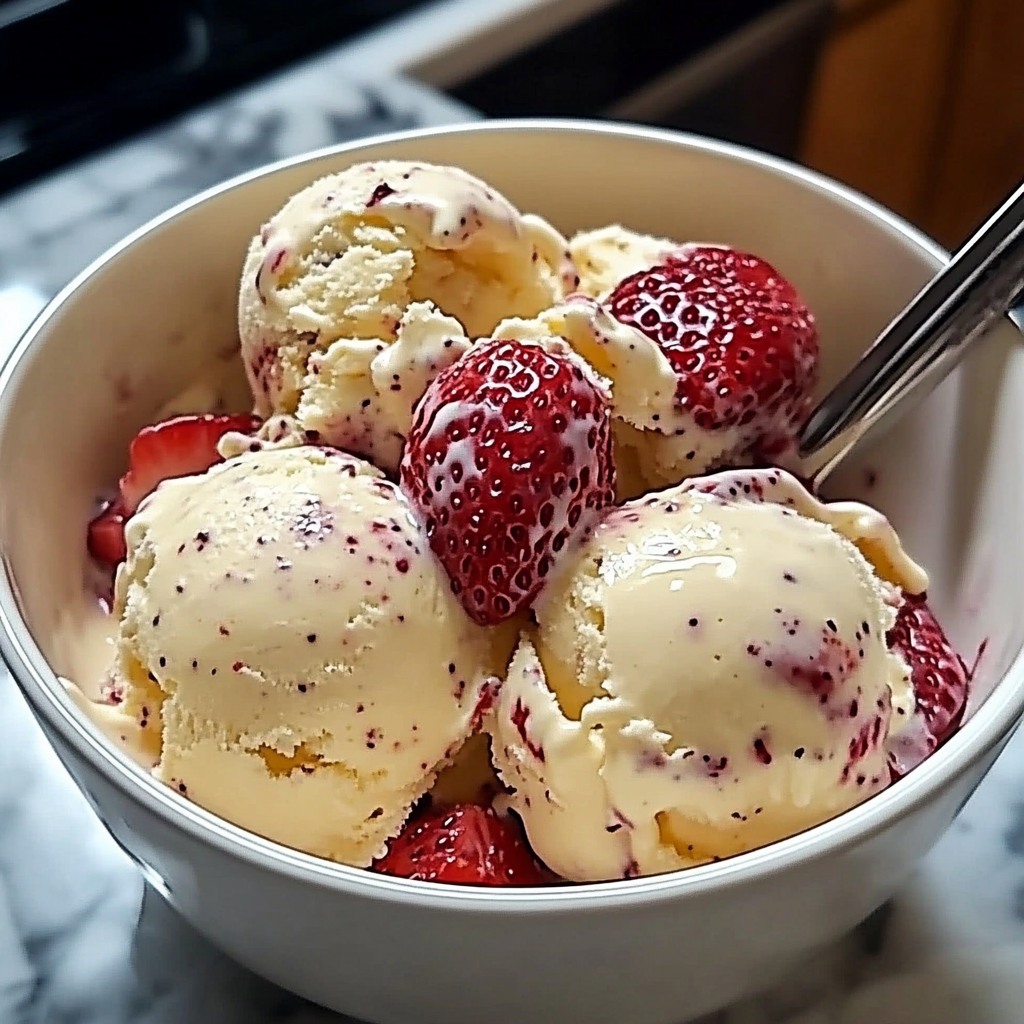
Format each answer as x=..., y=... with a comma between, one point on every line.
x=82, y=940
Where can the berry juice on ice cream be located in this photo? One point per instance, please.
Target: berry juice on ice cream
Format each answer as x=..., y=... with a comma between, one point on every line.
x=493, y=585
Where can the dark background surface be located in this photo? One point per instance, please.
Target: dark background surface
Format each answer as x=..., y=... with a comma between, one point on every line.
x=84, y=74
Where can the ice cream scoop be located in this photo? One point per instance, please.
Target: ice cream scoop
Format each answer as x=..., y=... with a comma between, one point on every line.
x=343, y=260
x=606, y=255
x=295, y=649
x=360, y=393
x=710, y=675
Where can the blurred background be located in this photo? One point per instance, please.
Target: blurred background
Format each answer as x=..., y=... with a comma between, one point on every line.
x=919, y=103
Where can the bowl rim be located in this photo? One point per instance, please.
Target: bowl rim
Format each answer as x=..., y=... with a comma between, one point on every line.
x=989, y=725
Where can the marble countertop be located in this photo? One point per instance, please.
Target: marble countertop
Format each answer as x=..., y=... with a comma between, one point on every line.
x=83, y=940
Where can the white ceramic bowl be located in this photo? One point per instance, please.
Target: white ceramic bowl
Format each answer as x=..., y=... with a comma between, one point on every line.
x=128, y=334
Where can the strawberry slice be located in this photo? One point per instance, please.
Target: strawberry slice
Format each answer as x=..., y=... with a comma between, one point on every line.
x=741, y=341
x=940, y=680
x=465, y=844
x=105, y=534
x=507, y=463
x=181, y=446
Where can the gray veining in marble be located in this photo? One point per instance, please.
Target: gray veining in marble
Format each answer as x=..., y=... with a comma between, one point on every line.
x=82, y=940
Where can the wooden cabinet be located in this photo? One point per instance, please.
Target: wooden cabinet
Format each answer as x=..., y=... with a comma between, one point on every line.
x=920, y=104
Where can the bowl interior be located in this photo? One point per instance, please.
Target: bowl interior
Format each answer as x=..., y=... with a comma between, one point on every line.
x=146, y=322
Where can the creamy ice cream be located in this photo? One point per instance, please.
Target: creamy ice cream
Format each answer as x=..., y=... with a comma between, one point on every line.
x=359, y=394
x=294, y=650
x=711, y=675
x=329, y=281
x=605, y=256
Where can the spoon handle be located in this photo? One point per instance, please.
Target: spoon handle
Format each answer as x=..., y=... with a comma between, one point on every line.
x=927, y=339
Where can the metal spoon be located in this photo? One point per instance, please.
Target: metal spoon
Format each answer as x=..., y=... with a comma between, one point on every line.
x=982, y=282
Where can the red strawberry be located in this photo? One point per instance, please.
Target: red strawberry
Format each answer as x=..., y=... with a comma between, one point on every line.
x=743, y=344
x=176, y=447
x=105, y=535
x=939, y=676
x=464, y=844
x=508, y=460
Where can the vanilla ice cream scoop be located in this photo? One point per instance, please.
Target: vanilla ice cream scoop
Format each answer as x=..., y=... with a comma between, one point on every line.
x=344, y=259
x=711, y=675
x=606, y=255
x=359, y=395
x=295, y=649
